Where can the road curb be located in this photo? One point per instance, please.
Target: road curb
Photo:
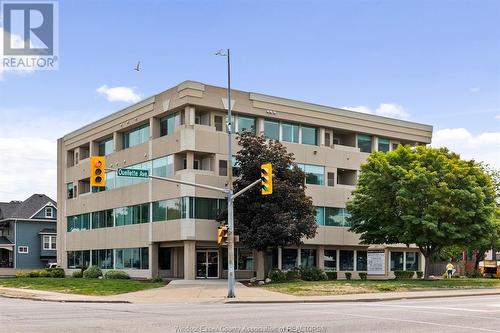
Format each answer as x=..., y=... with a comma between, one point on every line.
x=41, y=299
x=354, y=300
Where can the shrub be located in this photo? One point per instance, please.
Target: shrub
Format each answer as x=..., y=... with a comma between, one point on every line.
x=34, y=274
x=312, y=274
x=363, y=275
x=116, y=275
x=22, y=274
x=348, y=275
x=404, y=274
x=93, y=272
x=474, y=274
x=56, y=272
x=157, y=279
x=293, y=274
x=420, y=274
x=277, y=275
x=44, y=274
x=331, y=275
x=77, y=274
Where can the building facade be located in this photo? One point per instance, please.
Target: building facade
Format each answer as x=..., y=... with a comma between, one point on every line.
x=28, y=233
x=153, y=228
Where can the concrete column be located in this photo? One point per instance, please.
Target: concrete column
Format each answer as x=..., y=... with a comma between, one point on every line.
x=299, y=259
x=189, y=260
x=94, y=148
x=337, y=261
x=154, y=128
x=280, y=258
x=321, y=257
x=189, y=113
x=153, y=260
x=322, y=136
x=117, y=141
x=260, y=126
x=374, y=143
x=174, y=262
x=260, y=269
x=190, y=160
x=355, y=264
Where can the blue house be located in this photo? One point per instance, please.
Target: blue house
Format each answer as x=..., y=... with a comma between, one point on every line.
x=28, y=233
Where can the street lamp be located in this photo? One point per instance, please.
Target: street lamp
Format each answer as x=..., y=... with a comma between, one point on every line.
x=230, y=215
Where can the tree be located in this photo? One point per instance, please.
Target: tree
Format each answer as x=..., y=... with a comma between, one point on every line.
x=423, y=196
x=281, y=219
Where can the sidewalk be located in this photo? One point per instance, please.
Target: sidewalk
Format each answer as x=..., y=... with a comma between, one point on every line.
x=215, y=291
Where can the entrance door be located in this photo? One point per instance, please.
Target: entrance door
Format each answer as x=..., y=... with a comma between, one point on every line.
x=207, y=264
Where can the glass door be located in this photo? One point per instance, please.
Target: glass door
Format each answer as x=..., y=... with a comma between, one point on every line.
x=207, y=264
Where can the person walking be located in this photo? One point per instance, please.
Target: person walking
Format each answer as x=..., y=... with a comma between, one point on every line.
x=449, y=269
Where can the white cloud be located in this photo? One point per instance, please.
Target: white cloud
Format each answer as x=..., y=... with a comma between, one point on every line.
x=119, y=94
x=475, y=89
x=480, y=147
x=497, y=117
x=384, y=109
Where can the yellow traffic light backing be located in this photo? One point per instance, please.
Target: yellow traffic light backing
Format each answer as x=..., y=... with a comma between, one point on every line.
x=97, y=171
x=222, y=235
x=266, y=179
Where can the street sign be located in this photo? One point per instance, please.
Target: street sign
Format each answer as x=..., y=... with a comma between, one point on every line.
x=133, y=173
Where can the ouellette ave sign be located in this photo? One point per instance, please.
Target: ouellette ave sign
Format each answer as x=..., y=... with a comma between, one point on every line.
x=133, y=173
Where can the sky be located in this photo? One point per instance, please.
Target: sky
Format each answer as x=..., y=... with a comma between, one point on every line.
x=434, y=62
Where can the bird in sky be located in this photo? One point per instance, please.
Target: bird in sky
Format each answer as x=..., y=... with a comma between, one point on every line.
x=138, y=67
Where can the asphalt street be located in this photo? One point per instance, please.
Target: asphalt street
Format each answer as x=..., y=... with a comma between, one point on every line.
x=458, y=314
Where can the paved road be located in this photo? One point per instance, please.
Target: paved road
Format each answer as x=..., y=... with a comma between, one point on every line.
x=460, y=314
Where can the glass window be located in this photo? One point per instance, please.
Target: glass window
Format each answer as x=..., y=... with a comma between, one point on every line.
x=290, y=132
x=49, y=242
x=159, y=211
x=144, y=213
x=222, y=168
x=383, y=144
x=289, y=258
x=396, y=261
x=174, y=209
x=246, y=124
x=307, y=258
x=335, y=216
x=163, y=166
x=106, y=147
x=78, y=259
x=123, y=216
x=218, y=123
x=69, y=191
x=245, y=259
x=235, y=168
x=144, y=258
x=411, y=261
x=309, y=135
x=320, y=215
x=164, y=254
x=136, y=136
x=315, y=174
x=330, y=260
x=365, y=143
x=110, y=180
x=272, y=129
x=331, y=179
x=119, y=264
x=169, y=123
x=361, y=261
x=346, y=260
x=205, y=208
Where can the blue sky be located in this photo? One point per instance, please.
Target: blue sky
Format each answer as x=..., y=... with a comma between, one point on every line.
x=435, y=62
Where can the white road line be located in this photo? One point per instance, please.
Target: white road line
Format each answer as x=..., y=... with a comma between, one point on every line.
x=430, y=307
x=407, y=321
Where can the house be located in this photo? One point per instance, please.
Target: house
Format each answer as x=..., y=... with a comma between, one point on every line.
x=28, y=233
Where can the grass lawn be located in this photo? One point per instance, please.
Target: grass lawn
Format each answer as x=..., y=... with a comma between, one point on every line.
x=341, y=287
x=80, y=286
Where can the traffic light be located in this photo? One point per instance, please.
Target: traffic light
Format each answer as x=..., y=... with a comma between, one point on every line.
x=97, y=171
x=222, y=235
x=266, y=179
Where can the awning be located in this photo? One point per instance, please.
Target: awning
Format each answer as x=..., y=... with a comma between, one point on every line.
x=9, y=247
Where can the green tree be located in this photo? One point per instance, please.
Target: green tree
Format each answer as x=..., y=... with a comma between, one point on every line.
x=423, y=196
x=281, y=219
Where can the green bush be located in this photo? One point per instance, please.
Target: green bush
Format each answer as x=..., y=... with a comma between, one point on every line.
x=363, y=275
x=420, y=274
x=474, y=274
x=331, y=275
x=116, y=275
x=77, y=274
x=55, y=272
x=277, y=275
x=44, y=274
x=34, y=274
x=293, y=274
x=93, y=272
x=404, y=274
x=22, y=274
x=348, y=275
x=312, y=274
x=157, y=279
